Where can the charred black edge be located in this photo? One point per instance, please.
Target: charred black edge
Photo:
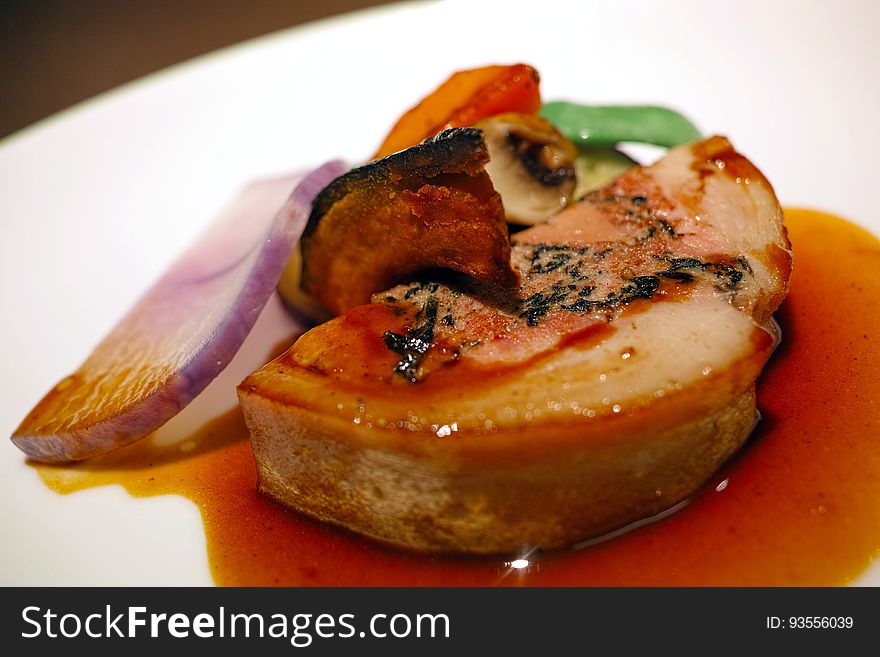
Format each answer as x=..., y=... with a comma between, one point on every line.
x=452, y=151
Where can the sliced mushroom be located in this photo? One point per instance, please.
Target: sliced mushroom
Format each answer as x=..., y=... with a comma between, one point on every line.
x=531, y=165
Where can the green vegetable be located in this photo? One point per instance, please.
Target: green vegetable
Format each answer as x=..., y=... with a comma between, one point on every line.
x=596, y=167
x=595, y=125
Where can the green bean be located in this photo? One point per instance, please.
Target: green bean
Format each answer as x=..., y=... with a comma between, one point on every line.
x=594, y=125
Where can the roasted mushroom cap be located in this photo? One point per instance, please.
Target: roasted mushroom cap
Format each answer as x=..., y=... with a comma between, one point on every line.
x=531, y=165
x=432, y=205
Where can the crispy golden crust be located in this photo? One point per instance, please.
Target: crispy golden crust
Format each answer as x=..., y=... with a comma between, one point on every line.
x=439, y=505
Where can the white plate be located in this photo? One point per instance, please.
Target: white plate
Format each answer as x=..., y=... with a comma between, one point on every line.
x=96, y=201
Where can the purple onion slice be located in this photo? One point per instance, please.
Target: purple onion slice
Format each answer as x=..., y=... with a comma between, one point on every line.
x=181, y=333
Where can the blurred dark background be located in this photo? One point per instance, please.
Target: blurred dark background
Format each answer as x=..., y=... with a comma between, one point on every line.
x=54, y=53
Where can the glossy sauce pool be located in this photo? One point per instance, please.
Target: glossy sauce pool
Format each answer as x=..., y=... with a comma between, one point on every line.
x=799, y=504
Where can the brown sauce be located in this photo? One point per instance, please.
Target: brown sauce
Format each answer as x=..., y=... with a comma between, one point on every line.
x=797, y=506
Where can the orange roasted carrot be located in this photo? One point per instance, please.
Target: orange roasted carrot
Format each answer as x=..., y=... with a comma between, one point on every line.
x=464, y=98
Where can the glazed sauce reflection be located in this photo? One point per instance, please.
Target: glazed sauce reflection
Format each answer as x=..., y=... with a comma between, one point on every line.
x=797, y=506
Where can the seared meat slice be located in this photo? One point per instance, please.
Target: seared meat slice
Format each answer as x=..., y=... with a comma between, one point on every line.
x=450, y=416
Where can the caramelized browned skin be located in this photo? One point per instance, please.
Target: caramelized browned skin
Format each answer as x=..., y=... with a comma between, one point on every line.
x=430, y=206
x=457, y=417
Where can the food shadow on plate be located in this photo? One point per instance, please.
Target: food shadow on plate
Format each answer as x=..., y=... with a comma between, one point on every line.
x=213, y=421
